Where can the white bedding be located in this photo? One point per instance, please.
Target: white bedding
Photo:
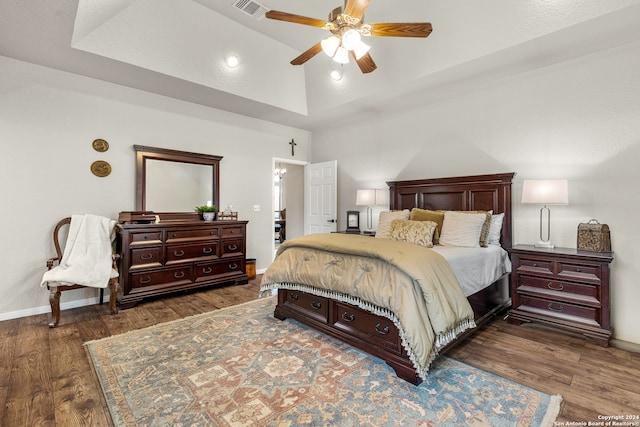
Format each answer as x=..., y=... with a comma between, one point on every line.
x=476, y=268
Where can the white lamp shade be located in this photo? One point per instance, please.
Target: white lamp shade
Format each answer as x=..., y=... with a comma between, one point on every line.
x=351, y=39
x=329, y=45
x=366, y=197
x=361, y=49
x=369, y=197
x=341, y=56
x=545, y=192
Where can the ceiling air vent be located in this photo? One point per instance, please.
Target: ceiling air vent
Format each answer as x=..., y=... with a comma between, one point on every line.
x=251, y=7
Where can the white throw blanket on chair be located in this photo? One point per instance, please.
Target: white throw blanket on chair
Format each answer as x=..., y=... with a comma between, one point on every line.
x=87, y=258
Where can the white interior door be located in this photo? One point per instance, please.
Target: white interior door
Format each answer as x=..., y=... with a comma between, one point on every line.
x=320, y=197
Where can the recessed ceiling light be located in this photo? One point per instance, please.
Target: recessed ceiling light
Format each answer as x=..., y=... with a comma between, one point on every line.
x=336, y=74
x=232, y=61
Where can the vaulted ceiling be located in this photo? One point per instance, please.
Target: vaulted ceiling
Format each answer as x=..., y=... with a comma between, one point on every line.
x=177, y=48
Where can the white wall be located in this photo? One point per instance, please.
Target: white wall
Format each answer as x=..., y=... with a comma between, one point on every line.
x=578, y=120
x=48, y=120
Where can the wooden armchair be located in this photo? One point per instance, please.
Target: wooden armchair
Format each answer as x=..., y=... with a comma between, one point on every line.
x=55, y=290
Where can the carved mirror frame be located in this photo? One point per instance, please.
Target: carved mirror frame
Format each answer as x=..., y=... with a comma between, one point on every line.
x=144, y=153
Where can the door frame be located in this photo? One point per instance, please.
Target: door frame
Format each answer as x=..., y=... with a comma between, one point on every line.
x=285, y=161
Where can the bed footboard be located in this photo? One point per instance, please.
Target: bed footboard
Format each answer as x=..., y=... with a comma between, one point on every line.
x=375, y=334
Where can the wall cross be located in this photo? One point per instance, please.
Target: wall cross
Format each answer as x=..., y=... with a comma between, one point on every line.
x=293, y=147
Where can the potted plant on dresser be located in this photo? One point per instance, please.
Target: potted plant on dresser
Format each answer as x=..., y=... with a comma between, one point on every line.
x=207, y=212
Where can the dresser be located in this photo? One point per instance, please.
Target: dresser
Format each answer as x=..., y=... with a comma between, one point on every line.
x=562, y=287
x=159, y=259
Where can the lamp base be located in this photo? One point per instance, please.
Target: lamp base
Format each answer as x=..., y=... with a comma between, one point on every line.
x=543, y=244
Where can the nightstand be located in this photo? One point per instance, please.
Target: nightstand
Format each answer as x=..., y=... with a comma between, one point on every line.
x=561, y=287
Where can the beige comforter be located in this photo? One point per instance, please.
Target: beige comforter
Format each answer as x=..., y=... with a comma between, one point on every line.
x=409, y=284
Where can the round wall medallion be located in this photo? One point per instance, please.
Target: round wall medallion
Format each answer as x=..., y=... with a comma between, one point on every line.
x=100, y=145
x=100, y=168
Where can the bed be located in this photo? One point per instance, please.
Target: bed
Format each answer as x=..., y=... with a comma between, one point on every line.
x=399, y=331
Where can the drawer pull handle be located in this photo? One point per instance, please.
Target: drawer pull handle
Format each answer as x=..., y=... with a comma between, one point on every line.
x=178, y=274
x=178, y=253
x=145, y=280
x=212, y=233
x=316, y=305
x=559, y=288
x=383, y=331
x=349, y=318
x=146, y=256
x=232, y=247
x=174, y=234
x=207, y=250
x=559, y=308
x=207, y=270
x=294, y=297
x=535, y=265
x=233, y=266
x=577, y=270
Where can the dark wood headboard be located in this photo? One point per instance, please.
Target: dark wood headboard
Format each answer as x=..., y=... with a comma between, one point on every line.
x=463, y=193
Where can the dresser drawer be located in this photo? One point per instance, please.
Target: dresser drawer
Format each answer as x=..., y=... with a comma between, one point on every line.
x=145, y=238
x=577, y=292
x=166, y=277
x=181, y=253
x=313, y=306
x=365, y=325
x=233, y=247
x=535, y=266
x=560, y=309
x=206, y=269
x=179, y=235
x=232, y=231
x=582, y=272
x=145, y=257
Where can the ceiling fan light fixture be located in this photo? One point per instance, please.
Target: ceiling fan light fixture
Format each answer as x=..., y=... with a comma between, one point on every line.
x=350, y=39
x=341, y=56
x=330, y=45
x=361, y=49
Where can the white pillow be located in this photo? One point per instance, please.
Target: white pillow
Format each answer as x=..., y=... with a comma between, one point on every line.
x=495, y=230
x=384, y=222
x=462, y=229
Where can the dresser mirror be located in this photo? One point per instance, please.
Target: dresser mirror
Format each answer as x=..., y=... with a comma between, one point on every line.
x=175, y=181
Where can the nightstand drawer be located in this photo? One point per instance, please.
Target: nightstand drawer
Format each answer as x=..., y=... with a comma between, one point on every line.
x=580, y=272
x=535, y=266
x=577, y=292
x=563, y=310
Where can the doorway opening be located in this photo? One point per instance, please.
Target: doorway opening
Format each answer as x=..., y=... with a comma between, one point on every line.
x=288, y=200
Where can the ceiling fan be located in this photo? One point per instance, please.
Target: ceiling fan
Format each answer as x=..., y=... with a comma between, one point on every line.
x=346, y=26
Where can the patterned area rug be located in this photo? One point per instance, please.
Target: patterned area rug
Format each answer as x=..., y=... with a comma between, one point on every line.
x=242, y=367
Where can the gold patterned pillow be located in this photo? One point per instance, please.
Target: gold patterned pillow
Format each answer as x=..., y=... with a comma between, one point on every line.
x=416, y=232
x=418, y=214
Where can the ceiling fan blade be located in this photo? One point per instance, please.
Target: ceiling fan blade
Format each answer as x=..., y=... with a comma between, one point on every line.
x=407, y=29
x=356, y=8
x=307, y=55
x=296, y=19
x=365, y=62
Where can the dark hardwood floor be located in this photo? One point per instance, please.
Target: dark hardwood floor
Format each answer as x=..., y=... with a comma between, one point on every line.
x=46, y=378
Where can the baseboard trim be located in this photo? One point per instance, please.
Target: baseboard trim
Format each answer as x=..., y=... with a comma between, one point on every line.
x=66, y=305
x=47, y=308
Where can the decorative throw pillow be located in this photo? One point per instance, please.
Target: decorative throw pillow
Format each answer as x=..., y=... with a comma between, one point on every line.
x=495, y=230
x=462, y=229
x=384, y=222
x=418, y=214
x=416, y=232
